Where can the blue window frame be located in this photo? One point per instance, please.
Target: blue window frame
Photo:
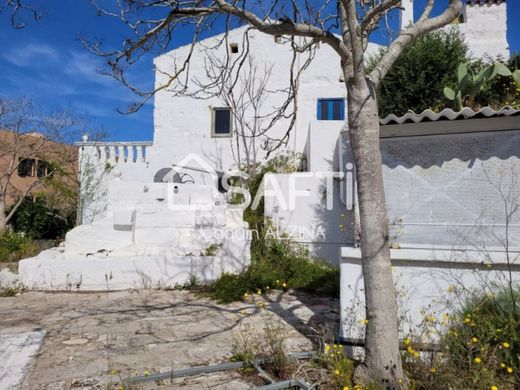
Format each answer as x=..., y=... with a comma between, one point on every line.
x=331, y=109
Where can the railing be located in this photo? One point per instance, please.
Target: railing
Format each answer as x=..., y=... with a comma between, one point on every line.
x=118, y=152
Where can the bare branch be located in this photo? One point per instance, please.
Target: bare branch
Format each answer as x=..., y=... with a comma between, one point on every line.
x=422, y=26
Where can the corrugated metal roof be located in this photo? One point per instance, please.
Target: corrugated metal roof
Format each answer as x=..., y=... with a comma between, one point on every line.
x=447, y=114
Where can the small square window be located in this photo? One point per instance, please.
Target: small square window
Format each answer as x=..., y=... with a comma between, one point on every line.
x=221, y=122
x=331, y=109
x=233, y=47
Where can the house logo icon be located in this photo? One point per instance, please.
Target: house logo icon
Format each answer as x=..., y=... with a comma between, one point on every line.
x=194, y=184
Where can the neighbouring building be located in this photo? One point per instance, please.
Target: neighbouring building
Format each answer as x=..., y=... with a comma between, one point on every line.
x=27, y=158
x=483, y=24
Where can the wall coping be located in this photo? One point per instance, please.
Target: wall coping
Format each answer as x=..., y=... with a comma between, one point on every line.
x=439, y=255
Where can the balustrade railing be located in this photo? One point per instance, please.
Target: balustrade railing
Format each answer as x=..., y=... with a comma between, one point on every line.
x=117, y=152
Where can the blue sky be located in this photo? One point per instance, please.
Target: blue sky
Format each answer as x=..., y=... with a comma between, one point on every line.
x=46, y=61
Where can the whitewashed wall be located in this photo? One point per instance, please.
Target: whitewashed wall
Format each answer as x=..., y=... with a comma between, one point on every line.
x=430, y=283
x=447, y=189
x=183, y=124
x=484, y=27
x=485, y=30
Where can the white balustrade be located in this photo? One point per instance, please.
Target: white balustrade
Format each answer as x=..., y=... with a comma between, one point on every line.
x=117, y=152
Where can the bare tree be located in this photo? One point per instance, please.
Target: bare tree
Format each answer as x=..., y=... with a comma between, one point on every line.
x=31, y=160
x=245, y=89
x=154, y=23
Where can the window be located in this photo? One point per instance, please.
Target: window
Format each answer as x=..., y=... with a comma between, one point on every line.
x=233, y=48
x=331, y=109
x=26, y=167
x=41, y=169
x=221, y=122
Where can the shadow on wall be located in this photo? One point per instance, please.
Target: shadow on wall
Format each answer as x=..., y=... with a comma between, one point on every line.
x=337, y=223
x=435, y=150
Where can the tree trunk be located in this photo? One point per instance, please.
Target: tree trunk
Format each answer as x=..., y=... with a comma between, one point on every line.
x=3, y=219
x=382, y=363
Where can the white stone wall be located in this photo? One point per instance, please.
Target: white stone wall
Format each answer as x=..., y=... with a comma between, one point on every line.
x=484, y=27
x=448, y=189
x=183, y=124
x=430, y=283
x=485, y=30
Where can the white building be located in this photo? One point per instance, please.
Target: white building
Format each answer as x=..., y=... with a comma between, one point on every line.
x=483, y=24
x=131, y=237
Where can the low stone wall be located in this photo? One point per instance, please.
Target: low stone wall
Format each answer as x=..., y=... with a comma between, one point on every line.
x=429, y=282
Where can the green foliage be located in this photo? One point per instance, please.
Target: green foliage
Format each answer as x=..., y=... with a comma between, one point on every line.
x=502, y=90
x=470, y=83
x=8, y=292
x=481, y=348
x=41, y=221
x=244, y=345
x=340, y=368
x=278, y=264
x=275, y=263
x=275, y=338
x=213, y=249
x=15, y=246
x=417, y=78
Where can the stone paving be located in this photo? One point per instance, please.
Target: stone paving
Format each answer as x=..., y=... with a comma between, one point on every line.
x=92, y=341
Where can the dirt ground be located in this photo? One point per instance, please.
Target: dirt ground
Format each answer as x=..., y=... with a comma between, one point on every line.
x=92, y=341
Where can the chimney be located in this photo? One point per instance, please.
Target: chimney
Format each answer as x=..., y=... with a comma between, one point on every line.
x=406, y=13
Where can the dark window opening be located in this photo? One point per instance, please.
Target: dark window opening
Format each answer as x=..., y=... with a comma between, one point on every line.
x=331, y=109
x=26, y=167
x=41, y=170
x=221, y=122
x=233, y=47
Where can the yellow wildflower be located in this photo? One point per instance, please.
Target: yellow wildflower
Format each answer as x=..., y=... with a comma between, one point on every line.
x=505, y=344
x=259, y=292
x=416, y=354
x=502, y=365
x=346, y=388
x=474, y=339
x=327, y=348
x=284, y=285
x=246, y=295
x=410, y=349
x=407, y=341
x=478, y=360
x=509, y=370
x=494, y=387
x=433, y=370
x=336, y=372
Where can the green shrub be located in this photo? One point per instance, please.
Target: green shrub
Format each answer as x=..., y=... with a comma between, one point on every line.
x=502, y=91
x=280, y=264
x=417, y=79
x=16, y=246
x=275, y=263
x=481, y=348
x=41, y=221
